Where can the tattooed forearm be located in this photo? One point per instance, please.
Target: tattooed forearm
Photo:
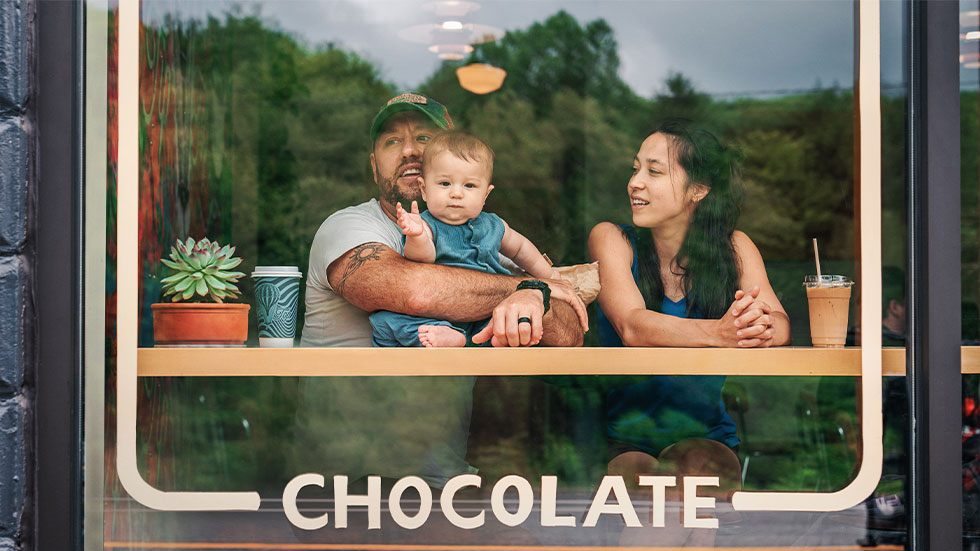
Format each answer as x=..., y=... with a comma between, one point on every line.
x=359, y=256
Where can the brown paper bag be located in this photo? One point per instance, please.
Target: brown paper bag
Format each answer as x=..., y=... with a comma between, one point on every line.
x=584, y=278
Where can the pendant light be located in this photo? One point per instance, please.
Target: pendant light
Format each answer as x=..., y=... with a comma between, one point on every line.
x=481, y=78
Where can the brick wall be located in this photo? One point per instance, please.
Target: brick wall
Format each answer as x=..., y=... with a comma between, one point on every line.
x=16, y=261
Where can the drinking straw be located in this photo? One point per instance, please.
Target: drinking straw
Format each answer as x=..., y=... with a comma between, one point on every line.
x=816, y=256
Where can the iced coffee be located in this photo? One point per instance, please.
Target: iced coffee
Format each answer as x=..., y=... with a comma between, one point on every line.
x=829, y=297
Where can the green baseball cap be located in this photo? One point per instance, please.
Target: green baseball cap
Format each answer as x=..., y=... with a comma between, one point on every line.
x=432, y=109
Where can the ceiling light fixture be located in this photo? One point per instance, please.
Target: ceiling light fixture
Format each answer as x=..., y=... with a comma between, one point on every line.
x=457, y=32
x=481, y=78
x=451, y=51
x=451, y=8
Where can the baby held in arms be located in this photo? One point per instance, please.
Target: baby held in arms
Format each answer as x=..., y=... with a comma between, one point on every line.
x=456, y=172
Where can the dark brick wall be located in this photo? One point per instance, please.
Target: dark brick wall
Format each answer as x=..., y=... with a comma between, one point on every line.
x=16, y=260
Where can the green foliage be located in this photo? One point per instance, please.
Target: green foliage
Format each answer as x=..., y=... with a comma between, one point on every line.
x=559, y=54
x=681, y=100
x=202, y=271
x=286, y=135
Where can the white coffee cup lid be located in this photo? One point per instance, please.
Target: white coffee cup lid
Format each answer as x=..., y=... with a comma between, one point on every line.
x=277, y=271
x=813, y=281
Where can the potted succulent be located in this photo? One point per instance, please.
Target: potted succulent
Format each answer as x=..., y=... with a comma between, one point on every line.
x=197, y=313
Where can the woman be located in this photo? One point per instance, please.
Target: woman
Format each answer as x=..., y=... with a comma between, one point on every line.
x=683, y=277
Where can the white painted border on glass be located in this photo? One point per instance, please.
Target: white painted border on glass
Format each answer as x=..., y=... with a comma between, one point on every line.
x=127, y=320
x=869, y=110
x=869, y=94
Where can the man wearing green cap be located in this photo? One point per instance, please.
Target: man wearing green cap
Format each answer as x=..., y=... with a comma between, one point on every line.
x=356, y=266
x=400, y=426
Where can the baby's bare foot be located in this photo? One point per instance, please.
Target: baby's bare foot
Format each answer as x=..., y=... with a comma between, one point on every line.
x=441, y=336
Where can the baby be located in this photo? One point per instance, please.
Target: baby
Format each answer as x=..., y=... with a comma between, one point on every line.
x=456, y=172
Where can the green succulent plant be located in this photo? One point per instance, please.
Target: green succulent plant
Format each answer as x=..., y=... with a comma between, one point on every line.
x=202, y=271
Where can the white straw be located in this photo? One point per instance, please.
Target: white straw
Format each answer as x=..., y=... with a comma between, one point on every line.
x=816, y=256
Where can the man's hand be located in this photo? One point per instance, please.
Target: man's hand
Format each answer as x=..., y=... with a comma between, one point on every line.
x=516, y=321
x=410, y=222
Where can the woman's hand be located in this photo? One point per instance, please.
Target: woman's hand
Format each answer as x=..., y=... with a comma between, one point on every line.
x=755, y=321
x=748, y=322
x=562, y=290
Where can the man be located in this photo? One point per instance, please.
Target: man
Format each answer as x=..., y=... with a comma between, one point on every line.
x=401, y=426
x=356, y=266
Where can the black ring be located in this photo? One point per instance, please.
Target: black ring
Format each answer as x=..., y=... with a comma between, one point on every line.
x=523, y=320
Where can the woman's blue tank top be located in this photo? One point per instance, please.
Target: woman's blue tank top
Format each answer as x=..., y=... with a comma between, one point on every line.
x=664, y=409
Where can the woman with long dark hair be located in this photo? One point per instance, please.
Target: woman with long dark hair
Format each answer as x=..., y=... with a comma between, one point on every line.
x=681, y=276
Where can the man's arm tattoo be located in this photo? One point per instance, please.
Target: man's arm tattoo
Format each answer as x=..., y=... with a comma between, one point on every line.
x=358, y=257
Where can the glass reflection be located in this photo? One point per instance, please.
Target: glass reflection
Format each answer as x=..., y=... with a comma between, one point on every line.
x=255, y=129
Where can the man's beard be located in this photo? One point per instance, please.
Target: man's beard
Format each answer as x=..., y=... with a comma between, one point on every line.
x=390, y=192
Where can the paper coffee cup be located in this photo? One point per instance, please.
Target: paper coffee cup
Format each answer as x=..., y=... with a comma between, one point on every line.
x=829, y=297
x=276, y=301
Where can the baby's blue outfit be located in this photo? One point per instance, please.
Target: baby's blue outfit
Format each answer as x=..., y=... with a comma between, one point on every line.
x=664, y=409
x=474, y=245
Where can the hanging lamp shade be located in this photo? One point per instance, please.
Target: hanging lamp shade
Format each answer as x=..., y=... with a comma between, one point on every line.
x=452, y=52
x=481, y=78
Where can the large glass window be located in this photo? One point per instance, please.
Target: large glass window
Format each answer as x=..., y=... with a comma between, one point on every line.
x=254, y=127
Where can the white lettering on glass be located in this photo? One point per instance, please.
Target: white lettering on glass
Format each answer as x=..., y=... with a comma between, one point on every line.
x=623, y=506
x=372, y=501
x=549, y=504
x=525, y=500
x=395, y=502
x=692, y=502
x=289, y=494
x=658, y=500
x=446, y=501
x=612, y=487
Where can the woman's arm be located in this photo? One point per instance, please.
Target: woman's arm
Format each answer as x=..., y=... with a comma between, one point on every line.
x=765, y=309
x=622, y=303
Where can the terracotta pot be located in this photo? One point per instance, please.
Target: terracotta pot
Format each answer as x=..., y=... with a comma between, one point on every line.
x=200, y=323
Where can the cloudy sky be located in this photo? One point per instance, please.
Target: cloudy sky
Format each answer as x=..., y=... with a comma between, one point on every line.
x=728, y=48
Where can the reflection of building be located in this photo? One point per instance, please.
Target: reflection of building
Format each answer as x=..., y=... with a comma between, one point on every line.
x=42, y=261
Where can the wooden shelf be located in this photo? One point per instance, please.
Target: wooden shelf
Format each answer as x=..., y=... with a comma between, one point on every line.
x=333, y=362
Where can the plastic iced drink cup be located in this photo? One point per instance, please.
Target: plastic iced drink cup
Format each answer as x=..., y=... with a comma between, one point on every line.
x=829, y=297
x=276, y=300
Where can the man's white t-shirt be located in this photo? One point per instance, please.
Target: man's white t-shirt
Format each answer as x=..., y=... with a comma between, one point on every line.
x=330, y=320
x=358, y=426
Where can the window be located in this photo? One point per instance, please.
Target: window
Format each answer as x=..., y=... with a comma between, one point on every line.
x=253, y=128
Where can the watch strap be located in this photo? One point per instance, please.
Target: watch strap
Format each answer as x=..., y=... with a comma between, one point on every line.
x=540, y=286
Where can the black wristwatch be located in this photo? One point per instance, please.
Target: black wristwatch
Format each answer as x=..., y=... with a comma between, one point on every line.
x=540, y=286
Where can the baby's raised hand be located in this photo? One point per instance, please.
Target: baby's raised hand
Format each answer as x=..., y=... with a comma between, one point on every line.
x=410, y=222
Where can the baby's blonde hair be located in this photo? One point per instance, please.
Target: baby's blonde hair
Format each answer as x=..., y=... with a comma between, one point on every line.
x=463, y=145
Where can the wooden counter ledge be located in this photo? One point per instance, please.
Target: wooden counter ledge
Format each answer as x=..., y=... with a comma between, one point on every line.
x=288, y=362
